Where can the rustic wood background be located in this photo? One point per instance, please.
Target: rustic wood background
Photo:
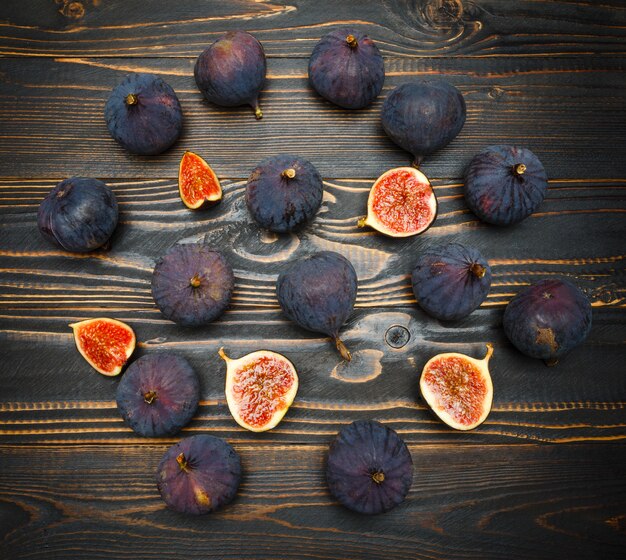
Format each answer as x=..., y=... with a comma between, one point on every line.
x=544, y=477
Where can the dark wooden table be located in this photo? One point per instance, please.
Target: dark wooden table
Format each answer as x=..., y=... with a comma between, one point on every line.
x=544, y=477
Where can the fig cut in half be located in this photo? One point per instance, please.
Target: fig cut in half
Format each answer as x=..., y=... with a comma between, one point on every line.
x=401, y=203
x=106, y=344
x=458, y=389
x=198, y=185
x=260, y=388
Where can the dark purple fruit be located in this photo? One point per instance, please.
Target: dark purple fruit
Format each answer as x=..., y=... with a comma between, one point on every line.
x=284, y=192
x=548, y=319
x=79, y=214
x=198, y=475
x=318, y=293
x=424, y=116
x=192, y=284
x=143, y=114
x=158, y=394
x=231, y=71
x=369, y=468
x=450, y=281
x=505, y=184
x=347, y=68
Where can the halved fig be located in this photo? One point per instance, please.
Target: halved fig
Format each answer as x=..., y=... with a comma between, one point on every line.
x=198, y=185
x=260, y=388
x=106, y=344
x=401, y=203
x=458, y=388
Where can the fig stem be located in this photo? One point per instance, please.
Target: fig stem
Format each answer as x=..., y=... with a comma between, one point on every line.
x=352, y=42
x=223, y=355
x=519, y=169
x=257, y=111
x=551, y=362
x=489, y=352
x=378, y=477
x=417, y=162
x=182, y=462
x=289, y=173
x=195, y=281
x=478, y=270
x=150, y=397
x=345, y=353
x=131, y=99
x=362, y=222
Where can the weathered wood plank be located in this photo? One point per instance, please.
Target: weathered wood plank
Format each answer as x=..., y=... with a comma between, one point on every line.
x=568, y=110
x=401, y=27
x=482, y=502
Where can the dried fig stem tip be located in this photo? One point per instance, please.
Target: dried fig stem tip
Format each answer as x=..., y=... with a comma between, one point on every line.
x=519, y=169
x=378, y=477
x=150, y=397
x=345, y=353
x=352, y=42
x=489, y=352
x=132, y=99
x=195, y=281
x=257, y=112
x=223, y=355
x=182, y=462
x=478, y=270
x=289, y=173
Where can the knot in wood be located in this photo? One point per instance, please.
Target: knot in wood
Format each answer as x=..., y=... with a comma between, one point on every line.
x=397, y=336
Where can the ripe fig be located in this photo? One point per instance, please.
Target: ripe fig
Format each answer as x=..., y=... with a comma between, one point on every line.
x=284, y=192
x=458, y=389
x=260, y=388
x=158, y=394
x=401, y=203
x=369, y=468
x=505, y=184
x=144, y=115
x=106, y=344
x=199, y=474
x=423, y=116
x=192, y=284
x=347, y=68
x=231, y=71
x=548, y=319
x=450, y=281
x=198, y=185
x=318, y=293
x=79, y=214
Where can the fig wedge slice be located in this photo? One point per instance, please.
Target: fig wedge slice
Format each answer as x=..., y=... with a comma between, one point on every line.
x=260, y=388
x=458, y=388
x=105, y=343
x=198, y=184
x=401, y=203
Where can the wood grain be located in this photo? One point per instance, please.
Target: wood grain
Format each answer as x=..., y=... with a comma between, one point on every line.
x=500, y=502
x=567, y=110
x=291, y=29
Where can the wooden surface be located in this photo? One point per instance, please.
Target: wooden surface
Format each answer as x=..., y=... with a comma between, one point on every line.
x=544, y=477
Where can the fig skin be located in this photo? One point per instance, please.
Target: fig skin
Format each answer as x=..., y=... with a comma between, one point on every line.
x=231, y=71
x=144, y=115
x=369, y=467
x=347, y=69
x=548, y=319
x=505, y=184
x=423, y=116
x=318, y=293
x=158, y=394
x=450, y=281
x=79, y=215
x=284, y=192
x=198, y=475
x=192, y=284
